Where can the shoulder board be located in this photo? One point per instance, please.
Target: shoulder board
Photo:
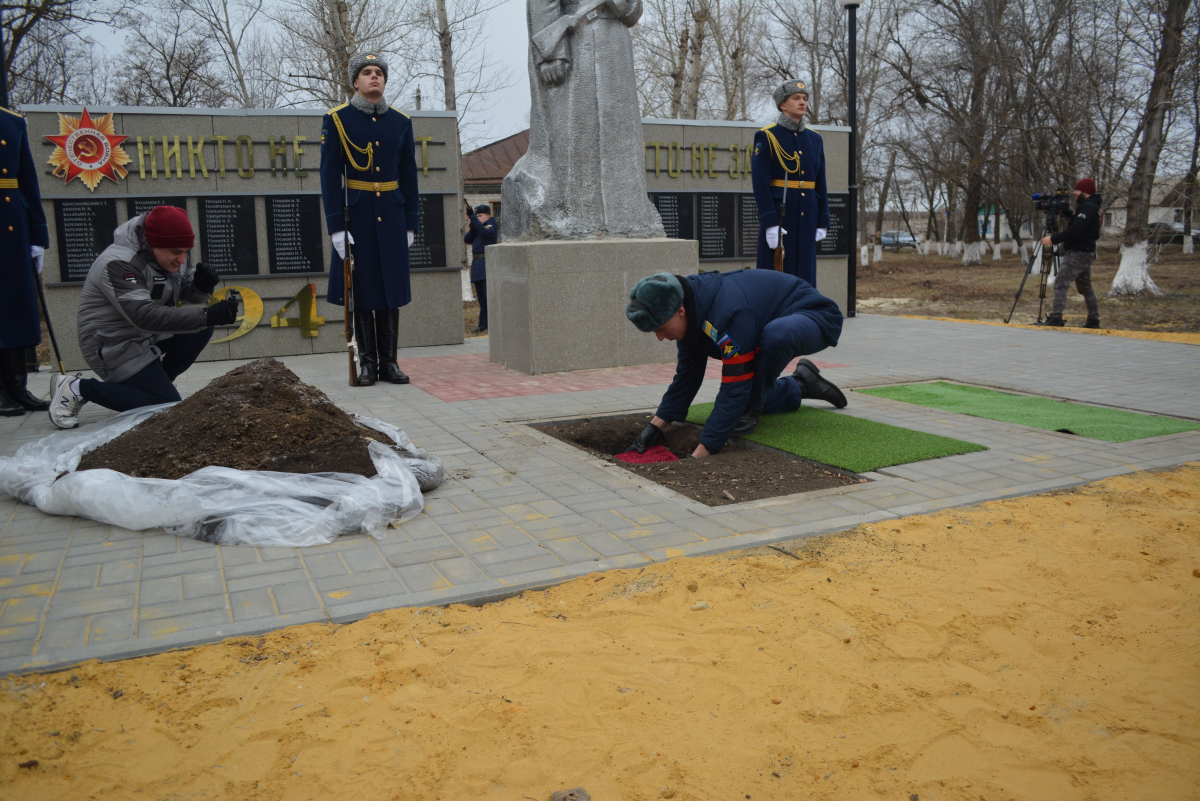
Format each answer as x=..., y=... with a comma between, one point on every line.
x=401, y=113
x=337, y=108
x=10, y=111
x=711, y=330
x=768, y=127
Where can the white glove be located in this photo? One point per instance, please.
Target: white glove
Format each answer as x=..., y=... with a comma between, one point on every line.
x=339, y=242
x=411, y=238
x=820, y=234
x=37, y=252
x=772, y=234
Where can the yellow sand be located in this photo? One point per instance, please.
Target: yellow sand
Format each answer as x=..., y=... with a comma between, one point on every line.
x=1040, y=648
x=1157, y=336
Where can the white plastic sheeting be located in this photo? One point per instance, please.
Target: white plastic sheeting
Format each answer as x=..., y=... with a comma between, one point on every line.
x=220, y=504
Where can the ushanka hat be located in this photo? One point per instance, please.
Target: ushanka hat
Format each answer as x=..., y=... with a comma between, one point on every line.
x=653, y=301
x=366, y=60
x=789, y=88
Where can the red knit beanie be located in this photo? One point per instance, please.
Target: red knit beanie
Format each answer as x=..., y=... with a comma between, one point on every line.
x=1086, y=185
x=168, y=227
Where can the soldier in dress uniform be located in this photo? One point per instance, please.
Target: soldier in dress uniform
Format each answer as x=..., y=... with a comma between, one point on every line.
x=371, y=147
x=789, y=157
x=483, y=232
x=23, y=240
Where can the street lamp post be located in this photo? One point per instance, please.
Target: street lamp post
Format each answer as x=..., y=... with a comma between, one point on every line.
x=851, y=7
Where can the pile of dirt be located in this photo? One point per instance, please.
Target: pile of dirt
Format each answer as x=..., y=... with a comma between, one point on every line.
x=743, y=473
x=259, y=416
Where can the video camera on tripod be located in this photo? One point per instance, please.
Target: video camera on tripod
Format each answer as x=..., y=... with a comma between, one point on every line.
x=1051, y=205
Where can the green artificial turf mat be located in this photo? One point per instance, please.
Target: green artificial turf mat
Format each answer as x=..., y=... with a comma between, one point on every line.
x=850, y=443
x=1110, y=425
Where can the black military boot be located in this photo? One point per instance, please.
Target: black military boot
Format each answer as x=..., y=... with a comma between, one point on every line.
x=1093, y=321
x=1054, y=320
x=9, y=407
x=368, y=361
x=748, y=422
x=387, y=331
x=813, y=386
x=16, y=377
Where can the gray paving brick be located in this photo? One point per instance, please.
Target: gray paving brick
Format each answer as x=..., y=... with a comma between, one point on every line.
x=251, y=604
x=460, y=570
x=209, y=603
x=362, y=592
x=421, y=577
x=295, y=597
x=161, y=590
x=349, y=580
x=162, y=627
x=78, y=578
x=571, y=551
x=526, y=565
x=121, y=572
x=177, y=567
x=59, y=635
x=111, y=627
x=199, y=585
x=486, y=558
x=324, y=565
x=61, y=611
x=365, y=558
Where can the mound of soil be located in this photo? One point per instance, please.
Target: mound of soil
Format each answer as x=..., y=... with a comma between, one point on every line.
x=745, y=474
x=259, y=416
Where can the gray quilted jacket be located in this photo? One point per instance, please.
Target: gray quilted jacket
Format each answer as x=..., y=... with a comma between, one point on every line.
x=129, y=305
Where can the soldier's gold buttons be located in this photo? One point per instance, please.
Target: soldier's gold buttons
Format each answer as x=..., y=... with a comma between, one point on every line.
x=2, y=142
x=7, y=199
x=5, y=170
x=376, y=194
x=377, y=144
x=376, y=169
x=10, y=227
x=377, y=219
x=372, y=119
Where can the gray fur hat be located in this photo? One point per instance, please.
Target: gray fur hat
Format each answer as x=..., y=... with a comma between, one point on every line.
x=789, y=88
x=483, y=208
x=366, y=59
x=653, y=301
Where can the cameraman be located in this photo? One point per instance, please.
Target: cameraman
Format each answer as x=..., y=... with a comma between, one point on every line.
x=132, y=329
x=1079, y=241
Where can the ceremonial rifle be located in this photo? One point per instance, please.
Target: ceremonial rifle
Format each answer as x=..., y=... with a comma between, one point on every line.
x=348, y=281
x=782, y=217
x=547, y=39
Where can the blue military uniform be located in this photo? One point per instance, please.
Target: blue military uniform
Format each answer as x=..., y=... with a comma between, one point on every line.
x=480, y=235
x=22, y=223
x=755, y=322
x=376, y=152
x=797, y=157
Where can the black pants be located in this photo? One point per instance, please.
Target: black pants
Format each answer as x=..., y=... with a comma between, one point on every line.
x=152, y=384
x=481, y=293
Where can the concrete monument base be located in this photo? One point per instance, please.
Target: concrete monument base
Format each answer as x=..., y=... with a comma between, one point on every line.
x=558, y=305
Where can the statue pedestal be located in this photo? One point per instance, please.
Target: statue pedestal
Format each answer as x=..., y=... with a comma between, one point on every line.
x=559, y=305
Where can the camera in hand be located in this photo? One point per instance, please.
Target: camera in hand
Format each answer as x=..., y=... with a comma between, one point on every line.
x=1060, y=200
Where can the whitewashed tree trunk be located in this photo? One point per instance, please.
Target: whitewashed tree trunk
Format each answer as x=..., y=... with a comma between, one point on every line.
x=996, y=254
x=866, y=255
x=958, y=248
x=467, y=294
x=1017, y=250
x=879, y=253
x=983, y=248
x=1189, y=244
x=1024, y=251
x=971, y=254
x=1133, y=276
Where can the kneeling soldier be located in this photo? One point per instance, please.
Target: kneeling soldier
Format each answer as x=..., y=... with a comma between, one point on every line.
x=755, y=322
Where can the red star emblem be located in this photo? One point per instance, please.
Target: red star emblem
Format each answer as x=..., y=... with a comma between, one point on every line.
x=88, y=149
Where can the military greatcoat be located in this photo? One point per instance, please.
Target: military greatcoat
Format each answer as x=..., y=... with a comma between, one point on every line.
x=799, y=160
x=383, y=200
x=22, y=223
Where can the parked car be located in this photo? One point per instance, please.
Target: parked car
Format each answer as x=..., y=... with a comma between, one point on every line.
x=1167, y=233
x=898, y=239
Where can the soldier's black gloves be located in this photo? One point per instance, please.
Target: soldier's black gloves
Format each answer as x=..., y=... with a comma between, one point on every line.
x=206, y=279
x=222, y=312
x=651, y=435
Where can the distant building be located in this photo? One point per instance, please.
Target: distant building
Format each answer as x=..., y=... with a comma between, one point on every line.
x=484, y=169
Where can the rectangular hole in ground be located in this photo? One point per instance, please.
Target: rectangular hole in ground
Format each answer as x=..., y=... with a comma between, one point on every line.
x=746, y=474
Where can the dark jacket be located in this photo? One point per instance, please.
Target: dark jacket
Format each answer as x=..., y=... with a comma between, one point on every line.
x=22, y=223
x=380, y=219
x=726, y=315
x=480, y=235
x=807, y=206
x=1084, y=229
x=129, y=305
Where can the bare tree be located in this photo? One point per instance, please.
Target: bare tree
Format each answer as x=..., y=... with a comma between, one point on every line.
x=47, y=54
x=1133, y=275
x=167, y=61
x=234, y=30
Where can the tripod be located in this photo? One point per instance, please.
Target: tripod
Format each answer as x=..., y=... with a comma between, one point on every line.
x=1048, y=227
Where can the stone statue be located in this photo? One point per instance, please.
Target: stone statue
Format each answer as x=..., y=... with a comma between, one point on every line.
x=584, y=174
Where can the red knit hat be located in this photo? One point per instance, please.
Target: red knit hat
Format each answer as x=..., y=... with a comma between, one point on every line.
x=168, y=227
x=1086, y=185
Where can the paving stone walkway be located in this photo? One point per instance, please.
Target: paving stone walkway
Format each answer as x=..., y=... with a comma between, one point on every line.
x=519, y=509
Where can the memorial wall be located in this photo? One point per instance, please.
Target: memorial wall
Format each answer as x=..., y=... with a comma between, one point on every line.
x=698, y=176
x=249, y=182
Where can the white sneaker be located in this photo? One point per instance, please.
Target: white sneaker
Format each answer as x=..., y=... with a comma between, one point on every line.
x=64, y=405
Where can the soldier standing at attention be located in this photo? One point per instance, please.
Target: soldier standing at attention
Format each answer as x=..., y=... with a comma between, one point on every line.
x=484, y=232
x=370, y=146
x=789, y=157
x=23, y=240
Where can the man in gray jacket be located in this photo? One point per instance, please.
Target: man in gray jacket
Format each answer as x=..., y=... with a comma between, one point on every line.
x=131, y=332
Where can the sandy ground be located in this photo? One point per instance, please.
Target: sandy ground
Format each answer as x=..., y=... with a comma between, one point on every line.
x=1039, y=648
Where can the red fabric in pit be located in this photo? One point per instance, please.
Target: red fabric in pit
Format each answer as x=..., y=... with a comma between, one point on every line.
x=658, y=453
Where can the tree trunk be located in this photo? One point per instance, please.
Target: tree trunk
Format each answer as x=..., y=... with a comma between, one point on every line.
x=343, y=43
x=677, y=75
x=696, y=61
x=883, y=197
x=972, y=201
x=1133, y=276
x=446, y=45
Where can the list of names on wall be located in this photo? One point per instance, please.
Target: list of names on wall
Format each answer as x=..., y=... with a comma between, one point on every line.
x=141, y=205
x=747, y=227
x=717, y=219
x=675, y=209
x=429, y=247
x=85, y=229
x=229, y=234
x=837, y=239
x=294, y=233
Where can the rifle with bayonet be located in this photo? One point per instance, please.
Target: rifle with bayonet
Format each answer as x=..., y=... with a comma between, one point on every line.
x=348, y=282
x=779, y=251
